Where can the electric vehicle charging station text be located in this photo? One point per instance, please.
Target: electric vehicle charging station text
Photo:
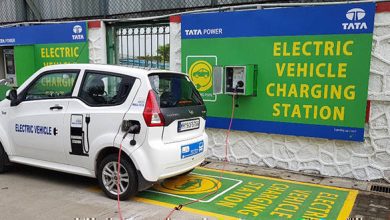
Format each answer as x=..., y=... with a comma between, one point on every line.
x=312, y=79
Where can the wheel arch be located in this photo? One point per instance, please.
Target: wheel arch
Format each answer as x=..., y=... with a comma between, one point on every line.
x=2, y=150
x=5, y=142
x=142, y=182
x=111, y=150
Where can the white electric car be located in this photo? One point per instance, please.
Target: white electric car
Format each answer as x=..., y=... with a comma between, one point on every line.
x=73, y=118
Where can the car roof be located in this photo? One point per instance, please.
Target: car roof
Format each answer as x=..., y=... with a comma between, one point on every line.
x=107, y=68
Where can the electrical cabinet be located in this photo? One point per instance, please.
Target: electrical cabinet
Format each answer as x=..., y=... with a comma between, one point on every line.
x=9, y=66
x=241, y=80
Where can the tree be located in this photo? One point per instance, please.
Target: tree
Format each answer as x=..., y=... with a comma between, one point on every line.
x=163, y=52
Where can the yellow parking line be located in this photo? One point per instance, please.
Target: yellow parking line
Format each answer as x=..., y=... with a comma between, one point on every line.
x=348, y=205
x=280, y=180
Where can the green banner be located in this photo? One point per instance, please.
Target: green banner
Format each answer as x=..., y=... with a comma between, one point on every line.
x=322, y=90
x=51, y=54
x=30, y=58
x=309, y=78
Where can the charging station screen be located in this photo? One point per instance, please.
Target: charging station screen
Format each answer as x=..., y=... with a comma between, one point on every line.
x=312, y=68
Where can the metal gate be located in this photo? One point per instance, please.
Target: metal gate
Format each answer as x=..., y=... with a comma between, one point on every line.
x=139, y=45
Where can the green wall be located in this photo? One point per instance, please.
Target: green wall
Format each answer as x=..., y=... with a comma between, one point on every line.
x=25, y=62
x=243, y=51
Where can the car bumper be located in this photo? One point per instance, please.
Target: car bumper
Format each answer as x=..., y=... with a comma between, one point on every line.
x=156, y=160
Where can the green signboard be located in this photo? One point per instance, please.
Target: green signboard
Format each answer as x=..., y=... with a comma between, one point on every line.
x=30, y=58
x=37, y=46
x=312, y=69
x=243, y=196
x=200, y=71
x=51, y=54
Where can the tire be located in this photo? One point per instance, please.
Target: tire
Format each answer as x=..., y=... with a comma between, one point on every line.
x=107, y=177
x=3, y=160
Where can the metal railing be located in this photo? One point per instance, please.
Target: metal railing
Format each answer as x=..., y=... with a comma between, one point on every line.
x=145, y=46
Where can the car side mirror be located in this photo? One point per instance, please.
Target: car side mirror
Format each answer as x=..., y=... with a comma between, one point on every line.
x=12, y=95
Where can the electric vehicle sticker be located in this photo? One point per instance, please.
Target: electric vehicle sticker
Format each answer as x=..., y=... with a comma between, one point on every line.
x=77, y=136
x=76, y=121
x=192, y=149
x=35, y=129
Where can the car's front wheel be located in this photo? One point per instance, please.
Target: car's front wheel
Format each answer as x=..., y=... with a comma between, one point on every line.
x=107, y=177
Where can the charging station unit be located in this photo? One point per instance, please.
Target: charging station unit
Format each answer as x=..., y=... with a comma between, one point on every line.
x=246, y=74
x=227, y=80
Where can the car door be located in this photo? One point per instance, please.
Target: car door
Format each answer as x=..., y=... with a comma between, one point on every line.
x=37, y=122
x=95, y=116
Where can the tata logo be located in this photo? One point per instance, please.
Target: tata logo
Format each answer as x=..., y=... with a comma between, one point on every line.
x=355, y=16
x=77, y=30
x=193, y=32
x=209, y=31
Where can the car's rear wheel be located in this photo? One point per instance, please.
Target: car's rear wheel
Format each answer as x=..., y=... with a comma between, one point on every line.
x=3, y=160
x=107, y=176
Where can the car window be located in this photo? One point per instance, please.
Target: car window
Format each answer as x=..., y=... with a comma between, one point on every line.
x=52, y=85
x=99, y=89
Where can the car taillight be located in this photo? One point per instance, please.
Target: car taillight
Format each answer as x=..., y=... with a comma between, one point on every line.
x=152, y=114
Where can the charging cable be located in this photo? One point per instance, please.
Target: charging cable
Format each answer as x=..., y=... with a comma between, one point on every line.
x=131, y=128
x=118, y=181
x=225, y=160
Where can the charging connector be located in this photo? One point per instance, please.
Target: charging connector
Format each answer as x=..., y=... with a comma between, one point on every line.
x=235, y=96
x=87, y=121
x=87, y=118
x=239, y=84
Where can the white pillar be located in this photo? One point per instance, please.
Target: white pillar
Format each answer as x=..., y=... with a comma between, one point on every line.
x=175, y=43
x=97, y=42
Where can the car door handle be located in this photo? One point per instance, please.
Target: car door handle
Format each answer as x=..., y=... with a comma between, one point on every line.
x=58, y=107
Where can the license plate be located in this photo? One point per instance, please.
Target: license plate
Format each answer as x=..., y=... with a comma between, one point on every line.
x=188, y=125
x=192, y=149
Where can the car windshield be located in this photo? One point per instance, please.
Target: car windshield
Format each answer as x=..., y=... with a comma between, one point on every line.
x=174, y=90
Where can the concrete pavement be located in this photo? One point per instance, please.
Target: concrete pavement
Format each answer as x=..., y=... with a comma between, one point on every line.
x=33, y=193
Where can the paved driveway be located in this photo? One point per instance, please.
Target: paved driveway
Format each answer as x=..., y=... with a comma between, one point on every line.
x=33, y=193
